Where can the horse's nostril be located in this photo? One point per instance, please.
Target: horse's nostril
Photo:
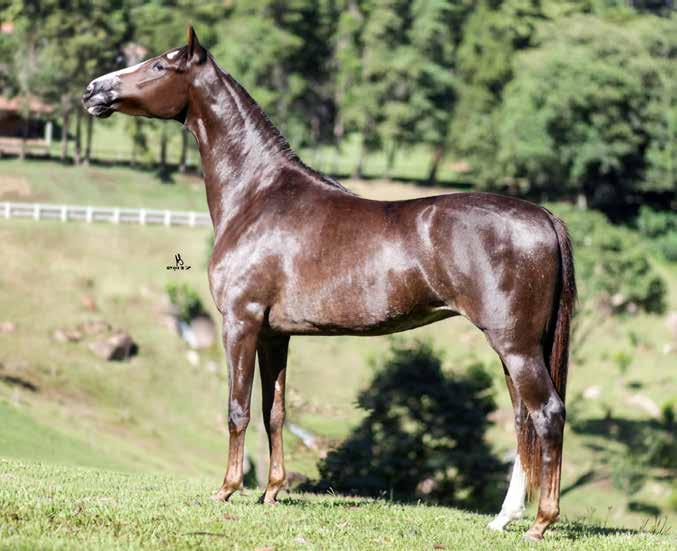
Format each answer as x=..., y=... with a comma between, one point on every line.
x=89, y=90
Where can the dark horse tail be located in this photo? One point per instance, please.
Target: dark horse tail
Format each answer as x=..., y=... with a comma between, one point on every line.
x=555, y=352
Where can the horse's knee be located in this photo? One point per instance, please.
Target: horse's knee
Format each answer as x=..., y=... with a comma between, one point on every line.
x=238, y=418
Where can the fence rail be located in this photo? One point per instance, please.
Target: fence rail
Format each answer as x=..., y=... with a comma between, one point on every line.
x=114, y=215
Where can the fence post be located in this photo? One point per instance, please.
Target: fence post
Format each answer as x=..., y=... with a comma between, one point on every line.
x=64, y=213
x=89, y=215
x=36, y=211
x=116, y=216
x=191, y=219
x=168, y=218
x=142, y=217
x=8, y=209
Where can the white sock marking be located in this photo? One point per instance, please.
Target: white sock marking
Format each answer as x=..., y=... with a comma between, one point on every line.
x=513, y=504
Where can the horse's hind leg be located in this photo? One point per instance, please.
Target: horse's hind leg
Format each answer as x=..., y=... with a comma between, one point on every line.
x=533, y=384
x=513, y=504
x=273, y=366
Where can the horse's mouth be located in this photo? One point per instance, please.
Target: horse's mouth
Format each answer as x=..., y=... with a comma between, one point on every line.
x=100, y=110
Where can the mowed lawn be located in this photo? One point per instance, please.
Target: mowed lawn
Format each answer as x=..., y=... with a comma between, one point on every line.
x=55, y=507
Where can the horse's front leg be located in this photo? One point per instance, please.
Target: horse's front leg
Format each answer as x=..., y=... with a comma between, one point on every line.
x=239, y=339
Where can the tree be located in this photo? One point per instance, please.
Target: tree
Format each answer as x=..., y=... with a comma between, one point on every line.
x=280, y=51
x=577, y=117
x=492, y=33
x=393, y=73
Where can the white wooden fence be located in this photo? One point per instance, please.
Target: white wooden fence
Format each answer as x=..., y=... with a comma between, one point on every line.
x=115, y=215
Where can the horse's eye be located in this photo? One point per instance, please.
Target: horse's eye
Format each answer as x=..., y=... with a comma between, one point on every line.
x=158, y=66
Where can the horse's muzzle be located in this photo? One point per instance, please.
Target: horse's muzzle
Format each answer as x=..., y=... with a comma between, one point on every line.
x=98, y=99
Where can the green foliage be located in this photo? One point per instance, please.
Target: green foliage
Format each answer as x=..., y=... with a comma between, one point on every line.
x=661, y=228
x=577, y=116
x=280, y=52
x=423, y=436
x=186, y=300
x=612, y=265
x=653, y=224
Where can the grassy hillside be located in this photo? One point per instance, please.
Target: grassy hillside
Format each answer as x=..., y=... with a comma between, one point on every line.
x=51, y=507
x=52, y=182
x=158, y=413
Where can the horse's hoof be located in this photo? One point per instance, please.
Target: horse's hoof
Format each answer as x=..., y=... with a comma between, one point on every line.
x=222, y=495
x=533, y=536
x=498, y=524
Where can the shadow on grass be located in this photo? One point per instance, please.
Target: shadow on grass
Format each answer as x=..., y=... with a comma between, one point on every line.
x=13, y=380
x=423, y=438
x=575, y=530
x=647, y=442
x=339, y=502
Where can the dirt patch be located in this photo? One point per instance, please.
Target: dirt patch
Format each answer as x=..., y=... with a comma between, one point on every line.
x=14, y=187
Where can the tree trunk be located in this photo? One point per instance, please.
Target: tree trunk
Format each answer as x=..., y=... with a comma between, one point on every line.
x=163, y=148
x=24, y=135
x=64, y=133
x=438, y=155
x=358, y=173
x=88, y=139
x=184, y=151
x=390, y=160
x=78, y=136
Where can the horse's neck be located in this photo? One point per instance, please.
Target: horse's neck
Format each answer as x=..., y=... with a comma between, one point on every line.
x=241, y=149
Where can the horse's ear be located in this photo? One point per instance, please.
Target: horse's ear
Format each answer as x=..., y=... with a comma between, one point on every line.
x=196, y=53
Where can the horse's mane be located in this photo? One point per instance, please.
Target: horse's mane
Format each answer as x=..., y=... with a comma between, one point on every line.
x=274, y=137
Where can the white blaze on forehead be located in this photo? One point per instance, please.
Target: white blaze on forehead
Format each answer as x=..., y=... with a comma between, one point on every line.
x=172, y=55
x=115, y=74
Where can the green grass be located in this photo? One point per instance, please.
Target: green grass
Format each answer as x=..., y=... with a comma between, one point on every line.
x=54, y=507
x=53, y=182
x=21, y=436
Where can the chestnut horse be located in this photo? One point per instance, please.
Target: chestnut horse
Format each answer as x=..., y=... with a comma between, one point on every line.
x=297, y=254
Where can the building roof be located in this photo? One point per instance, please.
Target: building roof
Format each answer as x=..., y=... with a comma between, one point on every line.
x=15, y=104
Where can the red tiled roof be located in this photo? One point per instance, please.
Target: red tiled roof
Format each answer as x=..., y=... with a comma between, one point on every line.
x=15, y=104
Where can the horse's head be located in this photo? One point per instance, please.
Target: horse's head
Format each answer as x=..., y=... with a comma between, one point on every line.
x=157, y=87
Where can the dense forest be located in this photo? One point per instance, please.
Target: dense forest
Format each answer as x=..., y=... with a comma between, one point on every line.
x=547, y=98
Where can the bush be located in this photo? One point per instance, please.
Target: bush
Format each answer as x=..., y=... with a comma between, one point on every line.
x=667, y=246
x=652, y=223
x=661, y=227
x=423, y=437
x=186, y=300
x=612, y=264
